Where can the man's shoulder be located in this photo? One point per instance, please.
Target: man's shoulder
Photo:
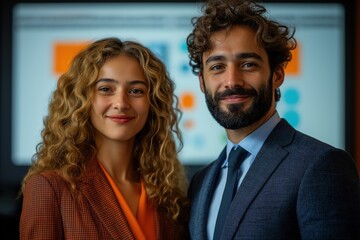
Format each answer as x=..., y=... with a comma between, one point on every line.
x=284, y=129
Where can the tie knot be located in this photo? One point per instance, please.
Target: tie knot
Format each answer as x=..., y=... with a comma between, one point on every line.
x=236, y=157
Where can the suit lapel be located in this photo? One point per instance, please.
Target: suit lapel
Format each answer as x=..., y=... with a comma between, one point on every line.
x=102, y=200
x=265, y=163
x=200, y=211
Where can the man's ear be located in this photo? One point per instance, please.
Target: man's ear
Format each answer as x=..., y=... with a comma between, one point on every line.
x=201, y=81
x=278, y=77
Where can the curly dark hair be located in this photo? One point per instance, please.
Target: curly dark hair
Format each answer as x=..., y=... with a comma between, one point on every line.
x=276, y=39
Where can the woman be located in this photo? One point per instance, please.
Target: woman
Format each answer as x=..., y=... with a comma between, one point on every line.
x=107, y=167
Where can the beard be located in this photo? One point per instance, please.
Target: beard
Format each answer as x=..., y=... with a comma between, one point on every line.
x=234, y=117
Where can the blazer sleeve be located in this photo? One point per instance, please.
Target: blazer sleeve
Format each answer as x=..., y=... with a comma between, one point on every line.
x=40, y=216
x=328, y=203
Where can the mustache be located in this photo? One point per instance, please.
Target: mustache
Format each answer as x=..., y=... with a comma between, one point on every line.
x=234, y=91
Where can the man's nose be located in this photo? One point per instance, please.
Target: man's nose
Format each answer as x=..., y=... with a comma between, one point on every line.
x=234, y=77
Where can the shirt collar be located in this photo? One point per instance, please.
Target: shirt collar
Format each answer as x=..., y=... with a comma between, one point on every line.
x=254, y=141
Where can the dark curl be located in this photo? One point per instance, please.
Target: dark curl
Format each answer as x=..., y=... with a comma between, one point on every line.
x=218, y=15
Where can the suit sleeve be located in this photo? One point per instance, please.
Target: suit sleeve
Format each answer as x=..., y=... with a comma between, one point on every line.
x=328, y=204
x=40, y=216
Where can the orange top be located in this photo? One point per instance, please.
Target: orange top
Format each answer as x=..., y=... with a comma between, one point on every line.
x=143, y=225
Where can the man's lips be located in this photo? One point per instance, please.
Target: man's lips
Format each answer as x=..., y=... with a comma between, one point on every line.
x=235, y=98
x=235, y=95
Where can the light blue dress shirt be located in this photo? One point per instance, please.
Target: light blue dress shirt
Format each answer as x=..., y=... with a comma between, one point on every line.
x=252, y=143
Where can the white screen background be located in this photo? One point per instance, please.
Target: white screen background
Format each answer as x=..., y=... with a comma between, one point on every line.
x=312, y=100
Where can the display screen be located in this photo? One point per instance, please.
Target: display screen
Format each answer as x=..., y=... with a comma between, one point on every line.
x=47, y=36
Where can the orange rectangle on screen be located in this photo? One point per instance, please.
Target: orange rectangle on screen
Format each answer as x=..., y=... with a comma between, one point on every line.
x=64, y=52
x=293, y=67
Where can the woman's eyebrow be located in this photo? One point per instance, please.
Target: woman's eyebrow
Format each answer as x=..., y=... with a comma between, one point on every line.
x=107, y=80
x=111, y=80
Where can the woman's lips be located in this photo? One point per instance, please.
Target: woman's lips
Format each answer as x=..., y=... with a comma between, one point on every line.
x=121, y=118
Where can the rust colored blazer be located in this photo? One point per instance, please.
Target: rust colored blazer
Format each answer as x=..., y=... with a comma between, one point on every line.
x=50, y=211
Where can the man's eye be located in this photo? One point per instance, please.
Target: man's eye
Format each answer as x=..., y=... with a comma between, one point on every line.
x=216, y=67
x=249, y=65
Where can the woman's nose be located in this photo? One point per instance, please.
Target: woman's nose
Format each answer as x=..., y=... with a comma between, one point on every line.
x=121, y=100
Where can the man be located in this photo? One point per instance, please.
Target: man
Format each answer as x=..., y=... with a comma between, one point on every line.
x=288, y=185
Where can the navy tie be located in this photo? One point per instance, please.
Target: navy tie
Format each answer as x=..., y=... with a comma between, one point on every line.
x=236, y=157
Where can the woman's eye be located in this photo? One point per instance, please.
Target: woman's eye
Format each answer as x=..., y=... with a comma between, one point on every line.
x=104, y=89
x=136, y=91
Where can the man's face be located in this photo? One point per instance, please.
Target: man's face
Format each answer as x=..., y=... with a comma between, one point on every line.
x=237, y=81
x=235, y=116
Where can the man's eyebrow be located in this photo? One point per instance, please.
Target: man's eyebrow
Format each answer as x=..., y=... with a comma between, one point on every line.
x=249, y=55
x=246, y=55
x=215, y=58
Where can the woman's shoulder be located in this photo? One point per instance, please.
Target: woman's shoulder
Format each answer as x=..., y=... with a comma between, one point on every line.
x=50, y=175
x=50, y=178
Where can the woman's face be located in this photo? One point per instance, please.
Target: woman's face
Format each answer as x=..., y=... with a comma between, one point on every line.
x=120, y=105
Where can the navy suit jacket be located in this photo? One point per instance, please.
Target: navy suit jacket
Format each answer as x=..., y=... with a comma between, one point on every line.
x=296, y=188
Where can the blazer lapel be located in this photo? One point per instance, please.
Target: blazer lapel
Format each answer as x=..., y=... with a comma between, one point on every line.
x=265, y=163
x=200, y=211
x=102, y=200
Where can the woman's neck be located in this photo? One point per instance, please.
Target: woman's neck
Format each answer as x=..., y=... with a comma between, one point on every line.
x=117, y=158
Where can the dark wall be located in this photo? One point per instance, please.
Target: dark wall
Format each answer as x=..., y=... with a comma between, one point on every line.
x=357, y=86
x=9, y=207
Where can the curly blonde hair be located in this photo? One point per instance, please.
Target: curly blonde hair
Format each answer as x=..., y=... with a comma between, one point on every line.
x=68, y=134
